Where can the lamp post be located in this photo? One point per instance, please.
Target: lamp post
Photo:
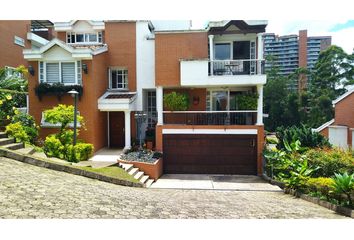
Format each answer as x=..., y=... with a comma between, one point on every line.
x=74, y=94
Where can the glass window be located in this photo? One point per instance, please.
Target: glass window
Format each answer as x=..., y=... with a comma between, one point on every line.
x=119, y=78
x=92, y=37
x=222, y=51
x=68, y=72
x=52, y=73
x=219, y=100
x=80, y=38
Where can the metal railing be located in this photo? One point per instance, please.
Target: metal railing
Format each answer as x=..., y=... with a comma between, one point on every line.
x=236, y=67
x=210, y=117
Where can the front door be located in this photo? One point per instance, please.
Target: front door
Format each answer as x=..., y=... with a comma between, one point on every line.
x=116, y=129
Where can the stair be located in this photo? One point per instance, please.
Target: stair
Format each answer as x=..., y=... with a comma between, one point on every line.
x=26, y=150
x=137, y=174
x=14, y=146
x=3, y=135
x=6, y=141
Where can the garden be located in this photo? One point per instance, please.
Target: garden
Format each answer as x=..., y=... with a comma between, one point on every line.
x=306, y=163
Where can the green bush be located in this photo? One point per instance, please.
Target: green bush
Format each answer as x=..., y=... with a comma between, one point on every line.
x=331, y=161
x=79, y=152
x=57, y=89
x=176, y=101
x=28, y=123
x=322, y=186
x=17, y=131
x=304, y=134
x=344, y=184
x=300, y=173
x=272, y=140
x=53, y=147
x=248, y=101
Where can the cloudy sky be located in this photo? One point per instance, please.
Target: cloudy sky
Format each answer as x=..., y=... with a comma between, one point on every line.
x=342, y=31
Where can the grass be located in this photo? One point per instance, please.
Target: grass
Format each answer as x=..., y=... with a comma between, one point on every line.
x=113, y=171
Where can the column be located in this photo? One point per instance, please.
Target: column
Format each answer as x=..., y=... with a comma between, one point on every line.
x=260, y=105
x=159, y=105
x=211, y=52
x=127, y=130
x=259, y=52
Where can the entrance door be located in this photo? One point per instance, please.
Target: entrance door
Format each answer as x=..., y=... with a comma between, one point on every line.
x=116, y=129
x=241, y=51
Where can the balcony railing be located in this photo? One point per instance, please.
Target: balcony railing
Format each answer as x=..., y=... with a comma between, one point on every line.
x=236, y=67
x=210, y=117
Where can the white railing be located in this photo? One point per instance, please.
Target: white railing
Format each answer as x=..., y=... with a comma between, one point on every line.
x=236, y=67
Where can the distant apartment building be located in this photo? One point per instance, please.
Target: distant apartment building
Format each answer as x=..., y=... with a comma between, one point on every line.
x=294, y=51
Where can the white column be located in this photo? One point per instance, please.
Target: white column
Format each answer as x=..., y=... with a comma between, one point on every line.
x=127, y=130
x=211, y=52
x=260, y=105
x=159, y=105
x=259, y=52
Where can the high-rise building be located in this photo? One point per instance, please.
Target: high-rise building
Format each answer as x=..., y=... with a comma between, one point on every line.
x=293, y=51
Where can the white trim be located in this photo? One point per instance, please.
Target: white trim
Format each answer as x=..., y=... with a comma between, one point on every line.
x=323, y=126
x=338, y=126
x=210, y=131
x=340, y=98
x=68, y=26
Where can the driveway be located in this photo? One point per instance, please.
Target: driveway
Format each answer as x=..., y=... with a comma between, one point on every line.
x=28, y=191
x=214, y=182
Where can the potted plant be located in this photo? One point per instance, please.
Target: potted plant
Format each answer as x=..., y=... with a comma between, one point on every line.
x=176, y=101
x=149, y=139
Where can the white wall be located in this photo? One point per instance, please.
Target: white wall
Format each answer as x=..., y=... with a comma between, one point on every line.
x=171, y=25
x=145, y=61
x=57, y=53
x=338, y=136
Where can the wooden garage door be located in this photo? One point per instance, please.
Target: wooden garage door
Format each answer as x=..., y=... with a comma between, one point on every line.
x=210, y=153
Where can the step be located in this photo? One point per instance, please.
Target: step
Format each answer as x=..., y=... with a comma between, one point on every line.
x=149, y=182
x=127, y=167
x=144, y=178
x=133, y=171
x=14, y=146
x=26, y=150
x=3, y=135
x=138, y=175
x=5, y=141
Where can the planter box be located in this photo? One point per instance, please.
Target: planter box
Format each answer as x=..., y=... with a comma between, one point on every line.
x=154, y=170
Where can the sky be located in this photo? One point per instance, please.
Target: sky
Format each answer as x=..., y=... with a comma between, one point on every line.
x=342, y=31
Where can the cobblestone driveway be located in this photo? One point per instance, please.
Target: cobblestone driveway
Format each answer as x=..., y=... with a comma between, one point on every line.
x=28, y=191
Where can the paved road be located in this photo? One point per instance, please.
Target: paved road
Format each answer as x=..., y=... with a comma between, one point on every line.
x=28, y=191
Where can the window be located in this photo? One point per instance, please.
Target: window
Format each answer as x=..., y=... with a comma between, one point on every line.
x=86, y=38
x=222, y=51
x=10, y=72
x=151, y=109
x=118, y=79
x=57, y=125
x=19, y=41
x=68, y=73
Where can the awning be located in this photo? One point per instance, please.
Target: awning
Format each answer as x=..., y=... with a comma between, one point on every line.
x=117, y=101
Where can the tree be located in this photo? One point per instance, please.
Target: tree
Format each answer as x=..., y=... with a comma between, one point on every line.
x=61, y=114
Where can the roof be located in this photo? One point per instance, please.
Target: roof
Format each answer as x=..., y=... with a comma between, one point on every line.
x=323, y=126
x=120, y=95
x=240, y=26
x=41, y=24
x=340, y=98
x=67, y=26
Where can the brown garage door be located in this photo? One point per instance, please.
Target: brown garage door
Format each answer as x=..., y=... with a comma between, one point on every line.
x=210, y=153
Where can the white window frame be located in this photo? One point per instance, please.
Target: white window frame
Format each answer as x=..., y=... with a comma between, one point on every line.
x=99, y=35
x=110, y=78
x=60, y=73
x=58, y=125
x=228, y=90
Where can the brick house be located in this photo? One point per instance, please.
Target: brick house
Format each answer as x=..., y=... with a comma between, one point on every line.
x=340, y=130
x=128, y=66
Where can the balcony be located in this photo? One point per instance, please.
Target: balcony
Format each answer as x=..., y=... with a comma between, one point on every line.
x=203, y=72
x=210, y=117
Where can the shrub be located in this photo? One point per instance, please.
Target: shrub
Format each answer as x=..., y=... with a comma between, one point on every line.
x=57, y=89
x=61, y=114
x=304, y=134
x=247, y=101
x=28, y=124
x=17, y=131
x=299, y=175
x=53, y=147
x=79, y=152
x=344, y=184
x=321, y=185
x=176, y=101
x=272, y=140
x=331, y=161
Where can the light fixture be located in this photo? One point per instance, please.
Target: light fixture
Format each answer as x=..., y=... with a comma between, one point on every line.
x=74, y=94
x=84, y=68
x=31, y=70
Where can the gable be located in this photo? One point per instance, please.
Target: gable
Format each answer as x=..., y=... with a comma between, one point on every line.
x=82, y=26
x=56, y=53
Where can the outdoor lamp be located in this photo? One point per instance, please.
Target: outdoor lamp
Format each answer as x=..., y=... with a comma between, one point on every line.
x=31, y=70
x=84, y=68
x=74, y=94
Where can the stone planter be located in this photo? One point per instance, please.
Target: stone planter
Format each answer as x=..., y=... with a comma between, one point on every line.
x=154, y=170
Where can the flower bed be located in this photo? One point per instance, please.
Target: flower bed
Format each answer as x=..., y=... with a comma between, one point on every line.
x=149, y=162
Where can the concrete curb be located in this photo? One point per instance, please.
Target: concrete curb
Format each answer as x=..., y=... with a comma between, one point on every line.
x=339, y=209
x=64, y=168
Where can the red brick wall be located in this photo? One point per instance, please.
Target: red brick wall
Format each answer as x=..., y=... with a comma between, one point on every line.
x=95, y=83
x=121, y=40
x=170, y=48
x=10, y=53
x=344, y=114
